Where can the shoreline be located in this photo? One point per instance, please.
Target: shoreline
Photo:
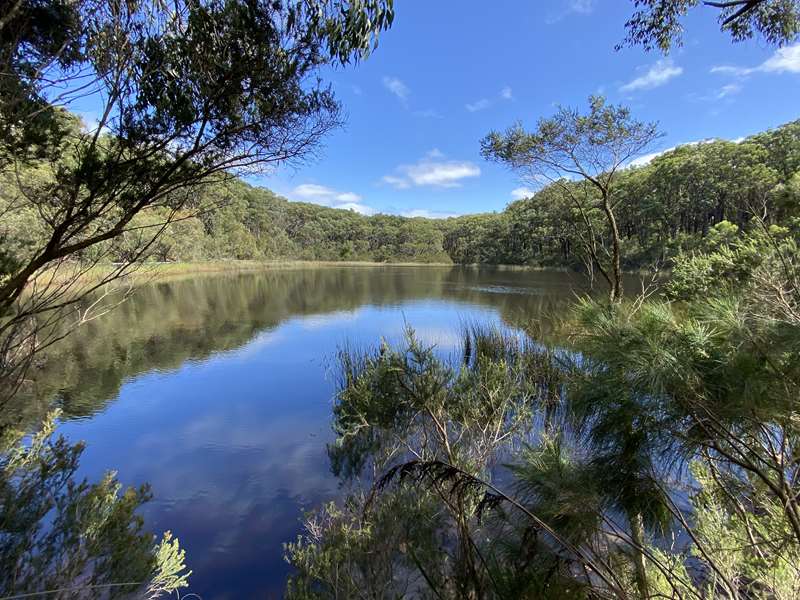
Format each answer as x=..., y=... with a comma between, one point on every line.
x=144, y=273
x=148, y=272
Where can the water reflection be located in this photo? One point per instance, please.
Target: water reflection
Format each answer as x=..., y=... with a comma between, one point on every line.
x=216, y=391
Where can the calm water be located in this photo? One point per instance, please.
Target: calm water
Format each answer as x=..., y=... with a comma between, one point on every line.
x=217, y=391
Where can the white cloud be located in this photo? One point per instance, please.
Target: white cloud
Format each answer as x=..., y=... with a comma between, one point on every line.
x=730, y=70
x=506, y=94
x=312, y=191
x=714, y=96
x=441, y=174
x=397, y=87
x=432, y=170
x=582, y=7
x=320, y=194
x=573, y=7
x=397, y=182
x=356, y=207
x=646, y=159
x=521, y=193
x=784, y=60
x=728, y=90
x=429, y=214
x=657, y=75
x=478, y=105
x=348, y=197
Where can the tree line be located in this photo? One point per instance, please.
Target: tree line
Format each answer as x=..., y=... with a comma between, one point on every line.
x=664, y=207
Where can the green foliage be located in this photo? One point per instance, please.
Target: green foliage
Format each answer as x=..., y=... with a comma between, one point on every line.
x=57, y=532
x=396, y=404
x=369, y=548
x=658, y=460
x=752, y=545
x=731, y=265
x=556, y=485
x=716, y=383
x=490, y=397
x=658, y=23
x=676, y=203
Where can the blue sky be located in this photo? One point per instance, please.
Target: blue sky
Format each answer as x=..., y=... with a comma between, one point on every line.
x=449, y=72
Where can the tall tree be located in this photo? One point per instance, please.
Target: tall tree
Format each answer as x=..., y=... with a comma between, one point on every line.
x=186, y=93
x=592, y=147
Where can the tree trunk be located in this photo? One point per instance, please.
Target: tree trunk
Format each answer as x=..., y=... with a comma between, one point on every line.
x=616, y=270
x=637, y=535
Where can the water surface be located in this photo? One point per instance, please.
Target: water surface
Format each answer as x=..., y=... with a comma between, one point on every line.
x=217, y=391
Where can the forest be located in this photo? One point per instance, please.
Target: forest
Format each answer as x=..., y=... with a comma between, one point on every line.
x=641, y=443
x=668, y=206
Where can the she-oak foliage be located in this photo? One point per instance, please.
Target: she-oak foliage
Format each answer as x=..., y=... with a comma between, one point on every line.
x=655, y=456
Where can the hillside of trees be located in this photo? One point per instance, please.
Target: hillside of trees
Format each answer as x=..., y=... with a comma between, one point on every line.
x=665, y=207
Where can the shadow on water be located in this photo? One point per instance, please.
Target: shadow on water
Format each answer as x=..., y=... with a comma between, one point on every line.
x=166, y=324
x=217, y=391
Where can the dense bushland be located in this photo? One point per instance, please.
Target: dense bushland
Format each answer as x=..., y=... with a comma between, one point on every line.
x=652, y=453
x=665, y=207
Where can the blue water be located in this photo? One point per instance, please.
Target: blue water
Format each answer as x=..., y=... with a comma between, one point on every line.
x=232, y=436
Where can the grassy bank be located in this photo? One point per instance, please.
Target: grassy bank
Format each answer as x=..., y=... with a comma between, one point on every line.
x=148, y=272
x=160, y=271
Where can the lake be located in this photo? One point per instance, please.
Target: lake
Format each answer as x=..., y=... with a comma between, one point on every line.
x=217, y=390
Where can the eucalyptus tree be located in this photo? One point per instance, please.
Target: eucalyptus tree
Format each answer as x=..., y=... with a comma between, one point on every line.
x=592, y=147
x=181, y=94
x=657, y=23
x=783, y=148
